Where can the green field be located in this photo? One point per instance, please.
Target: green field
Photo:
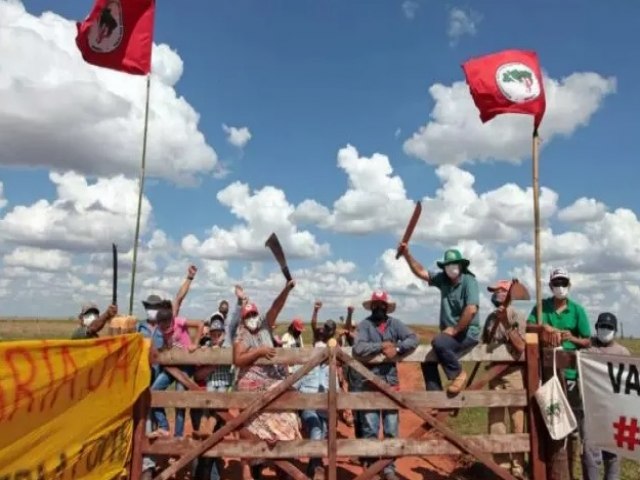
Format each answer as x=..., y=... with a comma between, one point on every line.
x=470, y=421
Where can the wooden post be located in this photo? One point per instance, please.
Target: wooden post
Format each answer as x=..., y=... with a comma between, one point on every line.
x=140, y=415
x=536, y=425
x=536, y=221
x=332, y=441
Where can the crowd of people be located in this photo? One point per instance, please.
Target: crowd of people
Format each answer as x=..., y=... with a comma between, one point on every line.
x=252, y=336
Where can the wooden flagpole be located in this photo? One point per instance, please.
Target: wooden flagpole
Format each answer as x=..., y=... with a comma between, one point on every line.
x=140, y=193
x=536, y=221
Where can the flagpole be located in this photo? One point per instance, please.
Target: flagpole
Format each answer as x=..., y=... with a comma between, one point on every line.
x=140, y=193
x=536, y=220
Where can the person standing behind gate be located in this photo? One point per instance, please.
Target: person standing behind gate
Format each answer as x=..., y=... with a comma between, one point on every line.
x=380, y=333
x=513, y=378
x=592, y=457
x=459, y=318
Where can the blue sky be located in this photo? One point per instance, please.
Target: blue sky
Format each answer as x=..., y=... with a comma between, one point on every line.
x=308, y=78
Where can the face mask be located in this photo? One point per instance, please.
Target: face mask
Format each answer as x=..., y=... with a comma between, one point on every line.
x=252, y=323
x=378, y=315
x=89, y=319
x=494, y=299
x=452, y=271
x=151, y=315
x=605, y=335
x=560, y=292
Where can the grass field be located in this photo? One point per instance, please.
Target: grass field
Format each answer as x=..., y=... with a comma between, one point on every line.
x=470, y=421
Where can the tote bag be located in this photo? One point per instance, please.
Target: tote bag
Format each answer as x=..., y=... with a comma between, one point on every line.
x=555, y=408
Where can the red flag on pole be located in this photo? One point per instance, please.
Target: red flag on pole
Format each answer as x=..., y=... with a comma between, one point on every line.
x=118, y=34
x=506, y=82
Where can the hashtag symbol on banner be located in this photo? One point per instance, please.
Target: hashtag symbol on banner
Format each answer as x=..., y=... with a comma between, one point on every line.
x=627, y=431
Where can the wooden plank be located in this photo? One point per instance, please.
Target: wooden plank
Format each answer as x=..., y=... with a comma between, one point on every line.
x=294, y=356
x=264, y=399
x=563, y=359
x=389, y=447
x=449, y=434
x=536, y=425
x=346, y=401
x=140, y=415
x=332, y=436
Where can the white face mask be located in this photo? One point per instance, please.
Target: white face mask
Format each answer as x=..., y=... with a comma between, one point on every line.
x=151, y=315
x=605, y=335
x=560, y=292
x=89, y=319
x=252, y=323
x=452, y=271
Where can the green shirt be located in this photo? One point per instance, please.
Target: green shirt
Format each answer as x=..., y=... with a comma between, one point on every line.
x=82, y=333
x=573, y=318
x=454, y=299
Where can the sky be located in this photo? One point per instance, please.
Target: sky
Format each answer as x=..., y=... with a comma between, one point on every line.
x=323, y=122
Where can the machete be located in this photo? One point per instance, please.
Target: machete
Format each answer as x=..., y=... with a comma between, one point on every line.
x=114, y=297
x=274, y=245
x=410, y=227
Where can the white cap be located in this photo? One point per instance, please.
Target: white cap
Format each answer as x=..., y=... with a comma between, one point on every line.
x=559, y=273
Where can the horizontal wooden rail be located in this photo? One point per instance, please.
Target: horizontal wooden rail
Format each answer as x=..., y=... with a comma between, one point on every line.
x=396, y=447
x=295, y=356
x=354, y=401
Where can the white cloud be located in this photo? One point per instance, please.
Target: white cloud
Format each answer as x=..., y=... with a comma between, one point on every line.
x=237, y=136
x=263, y=211
x=83, y=217
x=462, y=23
x=410, y=8
x=90, y=119
x=583, y=210
x=455, y=135
x=38, y=259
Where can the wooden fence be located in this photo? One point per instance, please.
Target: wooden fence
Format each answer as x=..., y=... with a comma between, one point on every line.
x=420, y=442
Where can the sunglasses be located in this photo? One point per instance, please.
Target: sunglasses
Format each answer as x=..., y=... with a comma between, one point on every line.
x=562, y=282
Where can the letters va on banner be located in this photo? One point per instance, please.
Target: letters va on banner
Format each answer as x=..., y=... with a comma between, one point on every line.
x=610, y=387
x=66, y=406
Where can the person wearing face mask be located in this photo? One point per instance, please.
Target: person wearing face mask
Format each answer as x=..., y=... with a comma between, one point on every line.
x=459, y=318
x=592, y=457
x=254, y=341
x=91, y=322
x=381, y=333
x=510, y=331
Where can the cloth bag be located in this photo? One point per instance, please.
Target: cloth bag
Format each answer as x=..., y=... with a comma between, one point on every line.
x=555, y=408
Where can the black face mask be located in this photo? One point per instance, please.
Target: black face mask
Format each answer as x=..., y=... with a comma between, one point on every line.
x=378, y=315
x=495, y=301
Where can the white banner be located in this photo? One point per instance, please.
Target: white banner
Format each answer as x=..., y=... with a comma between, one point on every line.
x=610, y=387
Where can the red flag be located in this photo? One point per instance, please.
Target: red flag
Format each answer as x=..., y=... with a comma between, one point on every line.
x=506, y=82
x=118, y=34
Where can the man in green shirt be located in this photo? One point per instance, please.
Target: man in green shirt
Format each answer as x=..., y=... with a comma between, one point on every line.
x=91, y=322
x=459, y=319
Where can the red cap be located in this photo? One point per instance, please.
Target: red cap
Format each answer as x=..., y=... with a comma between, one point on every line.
x=380, y=296
x=297, y=325
x=500, y=285
x=248, y=309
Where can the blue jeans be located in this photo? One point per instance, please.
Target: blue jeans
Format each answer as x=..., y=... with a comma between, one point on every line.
x=592, y=458
x=315, y=424
x=209, y=468
x=371, y=425
x=448, y=350
x=162, y=382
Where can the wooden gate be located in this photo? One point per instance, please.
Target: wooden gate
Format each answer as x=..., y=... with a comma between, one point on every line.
x=420, y=443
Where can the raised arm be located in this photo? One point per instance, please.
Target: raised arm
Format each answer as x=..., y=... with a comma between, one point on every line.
x=314, y=319
x=199, y=326
x=184, y=289
x=349, y=323
x=99, y=323
x=231, y=327
x=278, y=304
x=416, y=267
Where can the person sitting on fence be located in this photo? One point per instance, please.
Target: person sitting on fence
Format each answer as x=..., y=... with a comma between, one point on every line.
x=254, y=341
x=592, y=457
x=459, y=318
x=91, y=322
x=381, y=333
x=565, y=324
x=506, y=326
x=175, y=332
x=346, y=339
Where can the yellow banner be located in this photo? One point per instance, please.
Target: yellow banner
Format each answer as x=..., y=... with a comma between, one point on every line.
x=66, y=406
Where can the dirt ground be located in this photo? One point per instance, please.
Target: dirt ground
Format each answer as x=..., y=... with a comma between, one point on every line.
x=410, y=468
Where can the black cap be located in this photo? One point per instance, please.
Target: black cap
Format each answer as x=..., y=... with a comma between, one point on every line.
x=607, y=319
x=329, y=327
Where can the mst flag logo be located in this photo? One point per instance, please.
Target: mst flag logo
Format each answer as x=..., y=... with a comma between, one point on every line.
x=105, y=35
x=517, y=82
